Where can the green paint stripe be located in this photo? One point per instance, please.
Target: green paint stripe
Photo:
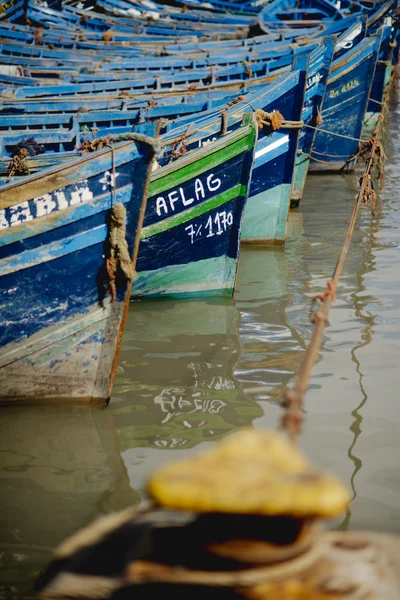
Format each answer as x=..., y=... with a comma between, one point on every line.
x=192, y=213
x=178, y=176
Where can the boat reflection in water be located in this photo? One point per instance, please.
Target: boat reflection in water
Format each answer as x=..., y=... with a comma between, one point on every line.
x=271, y=331
x=60, y=467
x=175, y=386
x=191, y=371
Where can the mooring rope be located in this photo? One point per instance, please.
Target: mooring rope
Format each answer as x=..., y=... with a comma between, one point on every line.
x=340, y=135
x=292, y=418
x=275, y=120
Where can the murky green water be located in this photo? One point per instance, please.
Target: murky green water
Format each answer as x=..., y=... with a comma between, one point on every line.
x=192, y=371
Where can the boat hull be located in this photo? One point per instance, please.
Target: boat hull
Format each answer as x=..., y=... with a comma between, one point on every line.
x=315, y=90
x=337, y=139
x=61, y=330
x=190, y=239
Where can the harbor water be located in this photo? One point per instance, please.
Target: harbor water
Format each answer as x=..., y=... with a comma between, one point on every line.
x=192, y=371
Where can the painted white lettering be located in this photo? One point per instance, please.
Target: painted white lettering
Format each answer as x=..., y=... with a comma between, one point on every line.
x=108, y=180
x=3, y=221
x=81, y=194
x=190, y=230
x=199, y=189
x=160, y=203
x=20, y=214
x=61, y=199
x=213, y=184
x=44, y=205
x=173, y=197
x=217, y=221
x=184, y=201
x=209, y=225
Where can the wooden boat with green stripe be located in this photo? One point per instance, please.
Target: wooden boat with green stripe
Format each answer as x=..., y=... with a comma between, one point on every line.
x=191, y=232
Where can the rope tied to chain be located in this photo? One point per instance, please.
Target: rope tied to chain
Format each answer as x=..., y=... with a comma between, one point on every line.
x=94, y=145
x=118, y=260
x=18, y=164
x=275, y=120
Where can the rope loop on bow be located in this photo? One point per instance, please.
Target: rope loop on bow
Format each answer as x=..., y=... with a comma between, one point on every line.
x=275, y=120
x=118, y=263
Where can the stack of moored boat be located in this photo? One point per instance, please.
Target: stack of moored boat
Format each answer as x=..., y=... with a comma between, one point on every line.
x=166, y=133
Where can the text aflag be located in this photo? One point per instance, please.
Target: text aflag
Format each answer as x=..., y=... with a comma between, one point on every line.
x=182, y=197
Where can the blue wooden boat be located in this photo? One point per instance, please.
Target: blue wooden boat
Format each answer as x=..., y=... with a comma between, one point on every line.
x=317, y=78
x=227, y=77
x=266, y=211
x=191, y=231
x=119, y=28
x=11, y=10
x=128, y=66
x=267, y=208
x=337, y=138
x=204, y=16
x=381, y=80
x=67, y=236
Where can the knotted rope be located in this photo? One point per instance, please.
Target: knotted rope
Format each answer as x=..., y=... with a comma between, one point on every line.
x=275, y=120
x=369, y=196
x=318, y=119
x=178, y=147
x=19, y=164
x=118, y=259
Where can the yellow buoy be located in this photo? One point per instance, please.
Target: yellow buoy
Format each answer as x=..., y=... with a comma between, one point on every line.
x=251, y=472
